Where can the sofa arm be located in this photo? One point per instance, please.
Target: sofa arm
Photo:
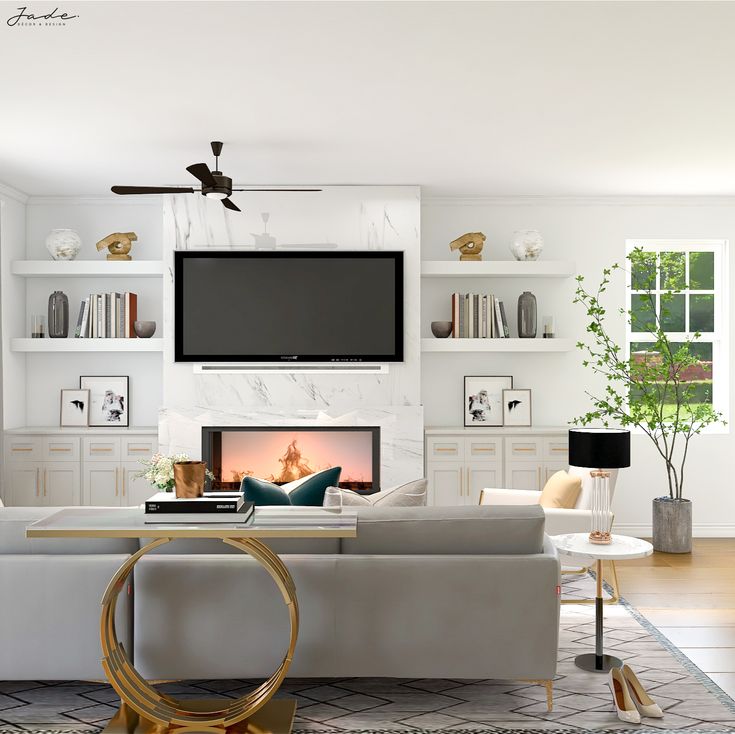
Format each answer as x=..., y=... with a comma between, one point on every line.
x=560, y=521
x=492, y=496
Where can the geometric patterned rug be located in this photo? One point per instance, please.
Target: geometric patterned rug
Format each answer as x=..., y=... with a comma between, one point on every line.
x=582, y=702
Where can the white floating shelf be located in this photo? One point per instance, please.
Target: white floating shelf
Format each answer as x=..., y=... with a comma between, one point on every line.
x=497, y=269
x=496, y=345
x=87, y=268
x=86, y=345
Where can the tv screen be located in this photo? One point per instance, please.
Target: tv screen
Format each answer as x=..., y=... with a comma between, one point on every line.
x=288, y=306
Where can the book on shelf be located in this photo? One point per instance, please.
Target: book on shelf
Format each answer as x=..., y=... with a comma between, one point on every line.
x=478, y=316
x=499, y=320
x=78, y=331
x=506, y=330
x=108, y=316
x=210, y=502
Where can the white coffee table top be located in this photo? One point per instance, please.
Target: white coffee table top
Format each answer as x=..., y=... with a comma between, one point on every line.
x=622, y=547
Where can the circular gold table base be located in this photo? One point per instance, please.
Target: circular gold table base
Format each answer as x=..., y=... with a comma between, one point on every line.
x=135, y=691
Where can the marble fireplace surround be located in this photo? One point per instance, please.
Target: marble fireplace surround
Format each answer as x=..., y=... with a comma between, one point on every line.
x=401, y=432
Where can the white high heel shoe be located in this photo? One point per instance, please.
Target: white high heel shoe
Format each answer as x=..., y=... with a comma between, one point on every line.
x=643, y=702
x=624, y=705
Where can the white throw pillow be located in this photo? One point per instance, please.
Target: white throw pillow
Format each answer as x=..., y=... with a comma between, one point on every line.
x=411, y=494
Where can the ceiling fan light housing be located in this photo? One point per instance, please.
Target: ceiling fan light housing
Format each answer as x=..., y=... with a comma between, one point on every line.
x=223, y=188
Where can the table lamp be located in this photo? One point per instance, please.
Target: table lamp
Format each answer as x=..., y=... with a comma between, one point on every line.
x=600, y=449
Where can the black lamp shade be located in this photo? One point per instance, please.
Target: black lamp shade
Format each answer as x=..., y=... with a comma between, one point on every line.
x=599, y=448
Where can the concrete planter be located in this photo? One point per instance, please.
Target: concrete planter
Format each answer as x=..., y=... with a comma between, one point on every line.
x=672, y=525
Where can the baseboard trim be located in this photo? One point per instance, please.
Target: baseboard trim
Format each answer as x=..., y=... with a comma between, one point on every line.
x=699, y=530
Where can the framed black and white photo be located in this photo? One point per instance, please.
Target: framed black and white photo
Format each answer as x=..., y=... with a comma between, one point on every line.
x=517, y=407
x=108, y=400
x=483, y=399
x=74, y=408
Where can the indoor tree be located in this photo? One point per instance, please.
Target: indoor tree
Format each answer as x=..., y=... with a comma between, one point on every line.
x=652, y=390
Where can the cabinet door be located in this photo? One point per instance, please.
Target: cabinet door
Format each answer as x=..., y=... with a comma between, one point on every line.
x=522, y=475
x=134, y=491
x=23, y=448
x=444, y=448
x=101, y=448
x=23, y=485
x=140, y=447
x=481, y=475
x=61, y=448
x=102, y=483
x=61, y=483
x=446, y=483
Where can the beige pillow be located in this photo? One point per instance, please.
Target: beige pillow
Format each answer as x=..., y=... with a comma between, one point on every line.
x=562, y=490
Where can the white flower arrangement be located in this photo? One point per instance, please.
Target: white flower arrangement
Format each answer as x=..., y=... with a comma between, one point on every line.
x=159, y=470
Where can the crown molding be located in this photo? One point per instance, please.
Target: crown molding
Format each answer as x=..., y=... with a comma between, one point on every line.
x=464, y=200
x=11, y=193
x=108, y=200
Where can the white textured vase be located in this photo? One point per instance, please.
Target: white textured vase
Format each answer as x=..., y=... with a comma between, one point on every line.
x=63, y=244
x=527, y=244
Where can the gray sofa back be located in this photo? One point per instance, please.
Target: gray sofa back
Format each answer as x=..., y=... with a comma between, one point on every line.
x=13, y=541
x=448, y=531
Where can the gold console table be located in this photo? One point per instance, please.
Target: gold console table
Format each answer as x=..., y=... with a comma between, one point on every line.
x=143, y=709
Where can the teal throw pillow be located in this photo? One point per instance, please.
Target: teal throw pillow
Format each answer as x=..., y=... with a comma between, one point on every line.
x=308, y=491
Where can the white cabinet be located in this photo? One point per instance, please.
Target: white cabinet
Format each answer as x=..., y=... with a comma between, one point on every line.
x=460, y=463
x=63, y=469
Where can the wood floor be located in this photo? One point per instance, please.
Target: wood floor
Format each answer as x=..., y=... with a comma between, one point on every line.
x=691, y=599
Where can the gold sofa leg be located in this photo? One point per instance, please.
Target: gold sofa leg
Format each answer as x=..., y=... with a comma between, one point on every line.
x=549, y=686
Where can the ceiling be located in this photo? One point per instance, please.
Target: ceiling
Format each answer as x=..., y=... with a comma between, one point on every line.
x=478, y=98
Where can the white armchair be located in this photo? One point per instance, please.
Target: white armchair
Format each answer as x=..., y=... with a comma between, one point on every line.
x=559, y=521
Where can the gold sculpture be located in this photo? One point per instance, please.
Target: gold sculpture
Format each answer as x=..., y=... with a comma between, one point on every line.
x=470, y=245
x=119, y=244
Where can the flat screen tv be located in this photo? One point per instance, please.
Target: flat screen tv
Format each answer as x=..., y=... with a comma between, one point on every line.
x=288, y=306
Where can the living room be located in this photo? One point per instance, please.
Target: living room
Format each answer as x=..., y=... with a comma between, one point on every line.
x=435, y=297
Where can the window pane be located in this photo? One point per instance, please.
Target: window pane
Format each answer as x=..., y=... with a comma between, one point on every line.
x=673, y=312
x=701, y=271
x=643, y=270
x=697, y=377
x=642, y=313
x=702, y=313
x=673, y=270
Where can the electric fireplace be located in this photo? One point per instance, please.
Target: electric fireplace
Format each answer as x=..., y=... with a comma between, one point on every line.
x=281, y=454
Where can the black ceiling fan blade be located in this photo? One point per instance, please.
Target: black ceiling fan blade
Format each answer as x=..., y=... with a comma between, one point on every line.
x=123, y=190
x=202, y=172
x=227, y=203
x=293, y=190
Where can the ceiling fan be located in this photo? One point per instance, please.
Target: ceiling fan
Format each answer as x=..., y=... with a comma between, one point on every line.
x=215, y=185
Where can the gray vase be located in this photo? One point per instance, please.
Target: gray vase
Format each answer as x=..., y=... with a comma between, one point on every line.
x=672, y=525
x=527, y=315
x=58, y=315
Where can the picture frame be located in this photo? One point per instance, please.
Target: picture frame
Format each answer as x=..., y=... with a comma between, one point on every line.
x=483, y=399
x=74, y=408
x=109, y=400
x=517, y=407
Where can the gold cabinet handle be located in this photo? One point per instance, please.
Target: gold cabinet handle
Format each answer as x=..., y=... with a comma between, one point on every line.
x=38, y=484
x=45, y=474
x=60, y=449
x=461, y=483
x=122, y=472
x=94, y=450
x=22, y=448
x=521, y=448
x=539, y=477
x=116, y=481
x=565, y=450
x=439, y=449
x=481, y=449
x=131, y=449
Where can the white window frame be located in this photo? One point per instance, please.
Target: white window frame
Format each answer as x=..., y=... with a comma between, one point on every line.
x=719, y=337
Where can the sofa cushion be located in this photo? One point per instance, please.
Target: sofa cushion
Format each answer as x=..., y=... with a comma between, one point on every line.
x=561, y=491
x=410, y=494
x=307, y=491
x=13, y=541
x=470, y=530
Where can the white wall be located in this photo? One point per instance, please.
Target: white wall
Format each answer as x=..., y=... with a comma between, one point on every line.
x=591, y=232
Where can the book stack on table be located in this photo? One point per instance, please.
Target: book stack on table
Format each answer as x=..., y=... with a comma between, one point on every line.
x=164, y=508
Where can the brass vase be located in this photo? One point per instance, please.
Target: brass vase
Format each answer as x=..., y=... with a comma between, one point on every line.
x=189, y=479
